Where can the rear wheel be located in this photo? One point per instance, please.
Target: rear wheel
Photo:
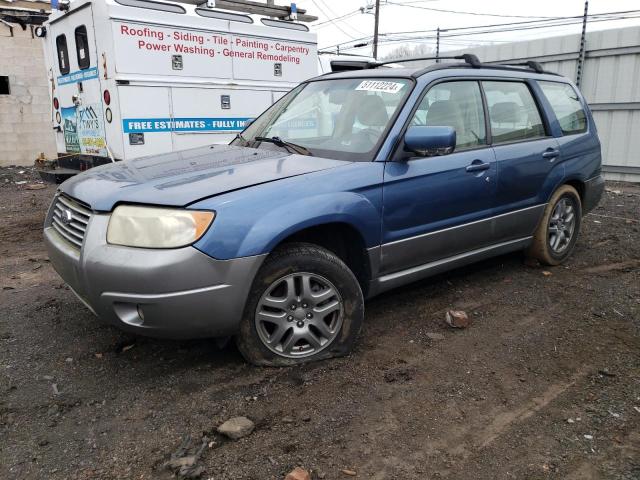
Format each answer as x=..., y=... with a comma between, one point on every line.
x=557, y=232
x=305, y=305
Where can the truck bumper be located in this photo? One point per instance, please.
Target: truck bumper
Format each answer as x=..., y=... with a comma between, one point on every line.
x=175, y=293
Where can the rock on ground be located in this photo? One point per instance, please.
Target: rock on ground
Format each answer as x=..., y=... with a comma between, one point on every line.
x=457, y=319
x=236, y=428
x=298, y=474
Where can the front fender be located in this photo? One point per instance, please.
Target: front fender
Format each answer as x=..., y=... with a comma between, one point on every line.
x=253, y=221
x=346, y=207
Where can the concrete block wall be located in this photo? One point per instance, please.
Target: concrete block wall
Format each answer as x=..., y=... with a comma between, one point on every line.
x=25, y=114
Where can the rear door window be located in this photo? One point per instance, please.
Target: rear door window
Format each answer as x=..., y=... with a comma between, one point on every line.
x=513, y=113
x=63, y=54
x=566, y=105
x=82, y=47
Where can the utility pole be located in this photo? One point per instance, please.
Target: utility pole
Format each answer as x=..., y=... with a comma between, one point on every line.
x=583, y=45
x=375, y=31
x=438, y=45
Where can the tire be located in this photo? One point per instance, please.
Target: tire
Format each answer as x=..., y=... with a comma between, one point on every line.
x=291, y=315
x=544, y=238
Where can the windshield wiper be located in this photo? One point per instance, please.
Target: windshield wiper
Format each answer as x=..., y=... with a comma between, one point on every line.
x=240, y=137
x=292, y=147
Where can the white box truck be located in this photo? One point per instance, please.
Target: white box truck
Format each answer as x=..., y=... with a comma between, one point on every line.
x=132, y=78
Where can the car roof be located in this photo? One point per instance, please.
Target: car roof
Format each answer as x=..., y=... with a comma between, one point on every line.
x=508, y=71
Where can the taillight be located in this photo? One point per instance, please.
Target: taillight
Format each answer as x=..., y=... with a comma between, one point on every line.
x=56, y=104
x=107, y=97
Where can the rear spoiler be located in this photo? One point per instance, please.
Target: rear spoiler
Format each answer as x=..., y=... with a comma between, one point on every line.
x=348, y=65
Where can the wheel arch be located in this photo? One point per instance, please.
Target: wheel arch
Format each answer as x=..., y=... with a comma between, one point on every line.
x=342, y=239
x=578, y=184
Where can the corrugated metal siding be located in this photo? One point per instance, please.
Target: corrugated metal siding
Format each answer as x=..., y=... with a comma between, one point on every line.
x=611, y=85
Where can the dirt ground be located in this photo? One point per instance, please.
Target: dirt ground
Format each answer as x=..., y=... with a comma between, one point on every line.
x=544, y=384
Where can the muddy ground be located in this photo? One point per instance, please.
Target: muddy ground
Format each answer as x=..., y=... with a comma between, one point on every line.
x=544, y=384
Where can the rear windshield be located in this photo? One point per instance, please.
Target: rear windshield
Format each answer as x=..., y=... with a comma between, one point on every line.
x=566, y=106
x=82, y=47
x=63, y=54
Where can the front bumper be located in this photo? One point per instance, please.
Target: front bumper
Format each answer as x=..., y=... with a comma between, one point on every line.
x=175, y=293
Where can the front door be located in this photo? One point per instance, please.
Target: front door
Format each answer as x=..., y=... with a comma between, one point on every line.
x=440, y=206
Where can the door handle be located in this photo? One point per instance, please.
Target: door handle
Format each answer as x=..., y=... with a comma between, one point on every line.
x=551, y=153
x=478, y=166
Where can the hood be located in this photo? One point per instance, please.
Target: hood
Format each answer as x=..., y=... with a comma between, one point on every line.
x=180, y=178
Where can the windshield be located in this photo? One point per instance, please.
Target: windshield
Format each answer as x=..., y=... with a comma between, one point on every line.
x=344, y=119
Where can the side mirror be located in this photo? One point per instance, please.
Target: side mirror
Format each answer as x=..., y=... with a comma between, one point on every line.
x=430, y=141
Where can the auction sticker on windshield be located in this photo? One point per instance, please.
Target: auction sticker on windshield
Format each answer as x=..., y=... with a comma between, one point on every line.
x=380, y=86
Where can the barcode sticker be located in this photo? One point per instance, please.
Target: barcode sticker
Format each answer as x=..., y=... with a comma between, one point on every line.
x=380, y=86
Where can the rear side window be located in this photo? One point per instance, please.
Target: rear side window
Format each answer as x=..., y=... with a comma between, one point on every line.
x=566, y=106
x=457, y=105
x=63, y=54
x=513, y=113
x=82, y=47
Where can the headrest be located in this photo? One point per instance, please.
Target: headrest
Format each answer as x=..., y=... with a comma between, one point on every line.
x=372, y=112
x=505, y=112
x=444, y=113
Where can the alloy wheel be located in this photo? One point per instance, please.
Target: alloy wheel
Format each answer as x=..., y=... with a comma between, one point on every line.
x=299, y=315
x=562, y=225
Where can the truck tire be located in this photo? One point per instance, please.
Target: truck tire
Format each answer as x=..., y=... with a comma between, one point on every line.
x=305, y=305
x=557, y=232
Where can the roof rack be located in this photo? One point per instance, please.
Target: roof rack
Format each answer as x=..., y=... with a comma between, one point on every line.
x=530, y=63
x=469, y=58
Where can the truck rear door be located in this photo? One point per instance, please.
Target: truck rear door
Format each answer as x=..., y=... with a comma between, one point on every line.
x=77, y=83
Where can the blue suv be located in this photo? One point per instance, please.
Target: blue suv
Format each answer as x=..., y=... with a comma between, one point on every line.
x=352, y=184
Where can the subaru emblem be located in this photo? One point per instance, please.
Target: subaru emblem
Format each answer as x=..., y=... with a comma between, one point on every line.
x=66, y=216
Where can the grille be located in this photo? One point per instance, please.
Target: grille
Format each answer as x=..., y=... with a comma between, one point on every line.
x=70, y=219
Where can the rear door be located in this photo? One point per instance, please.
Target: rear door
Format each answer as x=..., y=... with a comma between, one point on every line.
x=526, y=155
x=77, y=82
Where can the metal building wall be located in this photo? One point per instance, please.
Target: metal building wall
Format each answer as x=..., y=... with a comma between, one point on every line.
x=611, y=85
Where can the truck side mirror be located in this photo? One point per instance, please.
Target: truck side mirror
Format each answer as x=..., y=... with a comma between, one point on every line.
x=428, y=141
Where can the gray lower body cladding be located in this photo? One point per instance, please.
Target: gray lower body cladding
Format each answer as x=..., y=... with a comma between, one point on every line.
x=593, y=189
x=452, y=241
x=425, y=255
x=175, y=293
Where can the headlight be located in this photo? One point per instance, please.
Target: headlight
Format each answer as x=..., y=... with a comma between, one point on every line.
x=151, y=227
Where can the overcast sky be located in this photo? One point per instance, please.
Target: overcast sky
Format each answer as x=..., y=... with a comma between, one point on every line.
x=408, y=15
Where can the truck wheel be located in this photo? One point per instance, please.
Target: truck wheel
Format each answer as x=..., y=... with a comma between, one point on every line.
x=304, y=305
x=557, y=232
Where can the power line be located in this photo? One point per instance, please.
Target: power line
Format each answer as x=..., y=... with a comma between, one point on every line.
x=331, y=20
x=335, y=24
x=432, y=37
x=537, y=22
x=465, y=13
x=495, y=28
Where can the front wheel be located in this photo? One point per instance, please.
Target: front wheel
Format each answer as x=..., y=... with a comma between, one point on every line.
x=557, y=232
x=305, y=305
